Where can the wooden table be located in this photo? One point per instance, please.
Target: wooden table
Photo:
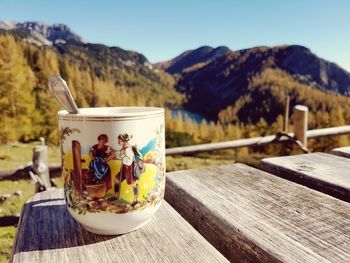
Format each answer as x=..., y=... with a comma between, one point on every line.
x=342, y=151
x=252, y=216
x=47, y=233
x=323, y=172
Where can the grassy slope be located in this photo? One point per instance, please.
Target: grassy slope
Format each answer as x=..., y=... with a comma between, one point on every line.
x=7, y=234
x=12, y=206
x=13, y=157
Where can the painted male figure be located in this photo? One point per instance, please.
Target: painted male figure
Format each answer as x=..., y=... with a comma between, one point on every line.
x=127, y=169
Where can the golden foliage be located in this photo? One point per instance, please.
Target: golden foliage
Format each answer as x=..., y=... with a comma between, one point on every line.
x=26, y=100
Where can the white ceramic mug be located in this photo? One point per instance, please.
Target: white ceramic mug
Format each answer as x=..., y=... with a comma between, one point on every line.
x=113, y=166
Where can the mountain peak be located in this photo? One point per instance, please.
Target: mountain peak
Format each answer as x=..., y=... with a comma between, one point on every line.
x=7, y=25
x=193, y=59
x=42, y=33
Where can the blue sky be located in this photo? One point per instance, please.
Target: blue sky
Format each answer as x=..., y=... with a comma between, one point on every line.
x=163, y=29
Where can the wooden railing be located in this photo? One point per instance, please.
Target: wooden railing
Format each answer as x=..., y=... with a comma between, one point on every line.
x=256, y=141
x=300, y=136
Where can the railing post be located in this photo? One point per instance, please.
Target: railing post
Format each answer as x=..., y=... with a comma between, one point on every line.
x=286, y=115
x=300, y=123
x=41, y=168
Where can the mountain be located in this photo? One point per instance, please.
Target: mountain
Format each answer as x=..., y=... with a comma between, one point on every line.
x=43, y=34
x=97, y=75
x=225, y=80
x=246, y=86
x=192, y=59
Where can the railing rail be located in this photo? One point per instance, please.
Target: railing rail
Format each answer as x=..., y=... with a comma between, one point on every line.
x=248, y=142
x=299, y=137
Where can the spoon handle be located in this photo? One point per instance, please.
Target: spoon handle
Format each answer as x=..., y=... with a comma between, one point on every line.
x=62, y=93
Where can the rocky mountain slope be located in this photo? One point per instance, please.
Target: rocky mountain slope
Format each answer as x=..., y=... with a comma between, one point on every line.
x=227, y=78
x=192, y=59
x=41, y=33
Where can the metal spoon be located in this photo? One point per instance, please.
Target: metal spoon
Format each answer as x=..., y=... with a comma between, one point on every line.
x=61, y=91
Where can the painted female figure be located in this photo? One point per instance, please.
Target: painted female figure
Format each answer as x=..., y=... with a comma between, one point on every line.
x=128, y=166
x=100, y=155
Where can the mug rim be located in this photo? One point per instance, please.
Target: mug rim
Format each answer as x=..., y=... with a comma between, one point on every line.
x=112, y=113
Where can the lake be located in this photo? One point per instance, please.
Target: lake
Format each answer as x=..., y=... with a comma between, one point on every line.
x=197, y=118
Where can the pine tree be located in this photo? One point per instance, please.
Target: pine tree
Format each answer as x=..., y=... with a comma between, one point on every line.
x=16, y=85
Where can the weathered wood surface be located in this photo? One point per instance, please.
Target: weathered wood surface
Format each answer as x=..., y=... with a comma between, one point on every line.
x=47, y=233
x=342, y=151
x=323, y=172
x=253, y=216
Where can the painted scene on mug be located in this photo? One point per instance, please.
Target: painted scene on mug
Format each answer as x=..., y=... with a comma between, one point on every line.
x=115, y=179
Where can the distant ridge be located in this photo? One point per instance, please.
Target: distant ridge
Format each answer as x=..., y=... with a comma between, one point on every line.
x=43, y=34
x=192, y=59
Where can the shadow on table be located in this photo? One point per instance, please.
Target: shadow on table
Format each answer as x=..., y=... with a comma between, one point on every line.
x=47, y=224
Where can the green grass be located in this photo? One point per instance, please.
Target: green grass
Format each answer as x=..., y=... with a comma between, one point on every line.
x=12, y=206
x=13, y=157
x=174, y=163
x=7, y=235
x=16, y=156
x=14, y=203
x=178, y=162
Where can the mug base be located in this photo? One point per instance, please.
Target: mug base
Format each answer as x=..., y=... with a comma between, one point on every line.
x=114, y=232
x=112, y=223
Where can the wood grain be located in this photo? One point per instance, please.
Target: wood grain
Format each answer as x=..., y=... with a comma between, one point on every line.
x=320, y=171
x=343, y=152
x=253, y=216
x=47, y=233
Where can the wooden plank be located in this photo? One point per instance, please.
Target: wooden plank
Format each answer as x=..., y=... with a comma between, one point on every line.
x=320, y=171
x=47, y=233
x=342, y=151
x=253, y=216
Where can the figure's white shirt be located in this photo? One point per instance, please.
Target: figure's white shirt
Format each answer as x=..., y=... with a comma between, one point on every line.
x=129, y=156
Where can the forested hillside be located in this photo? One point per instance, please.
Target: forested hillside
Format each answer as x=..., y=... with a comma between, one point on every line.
x=97, y=76
x=226, y=80
x=242, y=92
